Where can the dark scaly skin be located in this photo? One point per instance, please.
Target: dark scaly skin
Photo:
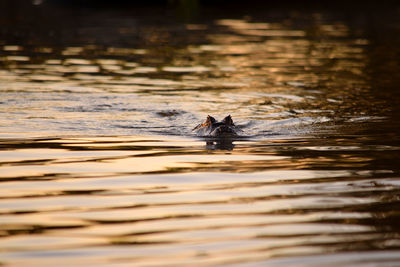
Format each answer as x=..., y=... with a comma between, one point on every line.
x=211, y=127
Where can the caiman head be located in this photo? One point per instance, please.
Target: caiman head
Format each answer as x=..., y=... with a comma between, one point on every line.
x=211, y=127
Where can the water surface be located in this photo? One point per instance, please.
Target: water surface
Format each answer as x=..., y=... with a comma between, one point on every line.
x=99, y=164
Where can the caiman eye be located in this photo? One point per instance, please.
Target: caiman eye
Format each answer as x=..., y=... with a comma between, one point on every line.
x=210, y=120
x=228, y=120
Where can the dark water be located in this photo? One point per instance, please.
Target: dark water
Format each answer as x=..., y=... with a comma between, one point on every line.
x=99, y=166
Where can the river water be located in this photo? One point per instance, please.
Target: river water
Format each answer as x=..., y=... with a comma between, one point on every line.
x=99, y=164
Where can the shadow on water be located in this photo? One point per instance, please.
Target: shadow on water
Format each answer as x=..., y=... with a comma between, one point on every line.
x=98, y=163
x=223, y=144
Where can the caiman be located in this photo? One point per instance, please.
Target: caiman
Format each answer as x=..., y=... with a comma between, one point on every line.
x=212, y=128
